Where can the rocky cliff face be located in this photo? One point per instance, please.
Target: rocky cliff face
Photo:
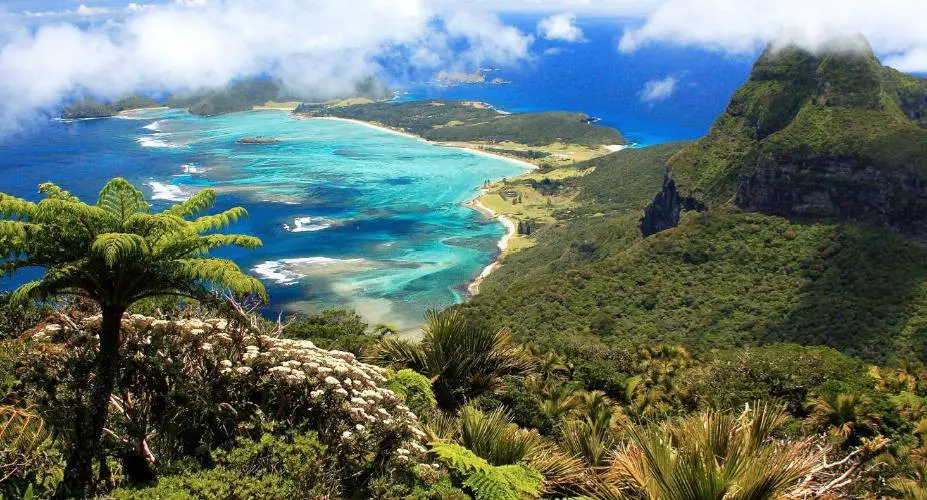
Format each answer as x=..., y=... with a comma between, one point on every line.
x=827, y=135
x=664, y=211
x=844, y=188
x=666, y=208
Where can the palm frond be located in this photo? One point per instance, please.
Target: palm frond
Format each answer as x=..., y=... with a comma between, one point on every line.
x=494, y=437
x=712, y=455
x=399, y=353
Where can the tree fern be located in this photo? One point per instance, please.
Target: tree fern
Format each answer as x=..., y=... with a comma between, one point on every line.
x=116, y=252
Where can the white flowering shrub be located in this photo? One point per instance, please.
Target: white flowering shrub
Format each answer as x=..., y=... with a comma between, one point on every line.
x=205, y=381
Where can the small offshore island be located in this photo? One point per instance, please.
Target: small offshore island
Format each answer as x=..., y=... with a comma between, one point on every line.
x=258, y=139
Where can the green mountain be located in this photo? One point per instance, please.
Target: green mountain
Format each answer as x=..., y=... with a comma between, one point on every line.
x=808, y=177
x=818, y=136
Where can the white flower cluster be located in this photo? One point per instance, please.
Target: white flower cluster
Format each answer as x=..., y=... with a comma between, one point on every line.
x=348, y=394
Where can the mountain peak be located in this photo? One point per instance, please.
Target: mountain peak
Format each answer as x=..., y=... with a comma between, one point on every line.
x=824, y=134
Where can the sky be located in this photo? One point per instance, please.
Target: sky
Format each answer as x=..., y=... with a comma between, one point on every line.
x=53, y=50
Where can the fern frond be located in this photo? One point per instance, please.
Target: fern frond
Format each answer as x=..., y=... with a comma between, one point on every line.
x=14, y=235
x=525, y=480
x=148, y=224
x=27, y=292
x=195, y=205
x=412, y=387
x=488, y=482
x=91, y=218
x=183, y=245
x=237, y=240
x=12, y=207
x=122, y=199
x=490, y=485
x=116, y=248
x=20, y=430
x=55, y=192
x=221, y=273
x=458, y=457
x=219, y=221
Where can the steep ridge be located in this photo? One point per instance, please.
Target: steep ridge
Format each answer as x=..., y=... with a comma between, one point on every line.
x=833, y=135
x=809, y=176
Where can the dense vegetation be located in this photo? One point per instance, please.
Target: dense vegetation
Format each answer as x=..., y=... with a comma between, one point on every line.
x=90, y=108
x=417, y=117
x=727, y=278
x=470, y=122
x=737, y=355
x=204, y=399
x=532, y=129
x=239, y=96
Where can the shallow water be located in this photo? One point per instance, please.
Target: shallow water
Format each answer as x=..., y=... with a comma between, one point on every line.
x=350, y=216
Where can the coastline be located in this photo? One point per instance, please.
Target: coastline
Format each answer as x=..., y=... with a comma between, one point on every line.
x=383, y=128
x=473, y=288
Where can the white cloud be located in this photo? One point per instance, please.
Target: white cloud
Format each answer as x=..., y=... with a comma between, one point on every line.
x=658, y=90
x=312, y=45
x=892, y=26
x=914, y=60
x=83, y=10
x=561, y=27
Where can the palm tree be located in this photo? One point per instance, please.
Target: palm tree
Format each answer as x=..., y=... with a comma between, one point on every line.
x=710, y=455
x=845, y=416
x=911, y=486
x=594, y=433
x=463, y=360
x=115, y=253
x=494, y=437
x=555, y=399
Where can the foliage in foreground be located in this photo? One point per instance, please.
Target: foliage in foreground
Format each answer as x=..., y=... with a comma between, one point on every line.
x=463, y=359
x=115, y=253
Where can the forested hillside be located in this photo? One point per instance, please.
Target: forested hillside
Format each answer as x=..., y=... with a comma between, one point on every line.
x=799, y=243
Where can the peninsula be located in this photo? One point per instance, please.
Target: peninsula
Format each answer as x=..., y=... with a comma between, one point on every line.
x=550, y=144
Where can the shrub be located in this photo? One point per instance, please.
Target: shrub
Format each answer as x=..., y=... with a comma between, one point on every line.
x=270, y=467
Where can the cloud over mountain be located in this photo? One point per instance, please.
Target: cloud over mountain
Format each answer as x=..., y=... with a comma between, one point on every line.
x=894, y=27
x=312, y=45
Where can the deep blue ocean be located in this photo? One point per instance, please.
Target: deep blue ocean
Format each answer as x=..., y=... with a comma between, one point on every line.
x=356, y=217
x=595, y=78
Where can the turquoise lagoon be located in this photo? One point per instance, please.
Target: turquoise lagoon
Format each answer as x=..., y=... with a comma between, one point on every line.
x=351, y=216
